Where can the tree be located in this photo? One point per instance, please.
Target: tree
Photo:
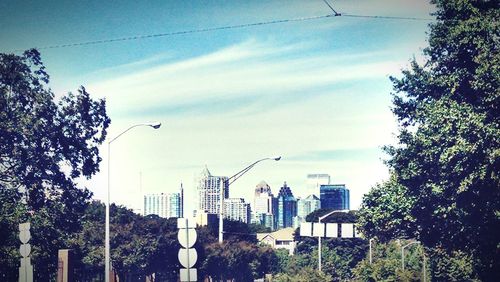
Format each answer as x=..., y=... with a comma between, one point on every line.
x=448, y=151
x=386, y=212
x=44, y=147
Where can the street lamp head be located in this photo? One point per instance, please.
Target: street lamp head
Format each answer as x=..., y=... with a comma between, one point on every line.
x=277, y=158
x=154, y=125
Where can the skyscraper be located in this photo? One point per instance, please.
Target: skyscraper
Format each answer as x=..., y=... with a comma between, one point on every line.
x=287, y=207
x=265, y=205
x=335, y=197
x=209, y=188
x=307, y=205
x=314, y=181
x=164, y=204
x=237, y=209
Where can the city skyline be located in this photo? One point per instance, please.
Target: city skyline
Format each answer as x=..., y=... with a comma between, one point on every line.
x=315, y=92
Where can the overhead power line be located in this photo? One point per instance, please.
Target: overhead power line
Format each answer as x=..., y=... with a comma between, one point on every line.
x=201, y=30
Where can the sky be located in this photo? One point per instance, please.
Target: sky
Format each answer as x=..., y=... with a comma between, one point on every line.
x=314, y=91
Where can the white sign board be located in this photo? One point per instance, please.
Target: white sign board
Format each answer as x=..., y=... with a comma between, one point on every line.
x=188, y=257
x=318, y=229
x=306, y=229
x=189, y=274
x=185, y=223
x=347, y=230
x=332, y=230
x=187, y=237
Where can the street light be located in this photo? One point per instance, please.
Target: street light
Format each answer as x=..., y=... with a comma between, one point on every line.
x=370, y=243
x=154, y=125
x=403, y=252
x=229, y=181
x=319, y=237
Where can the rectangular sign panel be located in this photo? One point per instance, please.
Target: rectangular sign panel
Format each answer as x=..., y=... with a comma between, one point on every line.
x=181, y=223
x=332, y=230
x=347, y=230
x=306, y=229
x=186, y=276
x=319, y=229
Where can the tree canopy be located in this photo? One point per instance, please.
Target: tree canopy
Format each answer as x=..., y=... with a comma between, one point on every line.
x=447, y=158
x=44, y=146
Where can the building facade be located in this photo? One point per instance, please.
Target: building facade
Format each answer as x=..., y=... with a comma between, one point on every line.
x=164, y=204
x=237, y=209
x=314, y=182
x=209, y=191
x=287, y=207
x=305, y=207
x=335, y=197
x=265, y=206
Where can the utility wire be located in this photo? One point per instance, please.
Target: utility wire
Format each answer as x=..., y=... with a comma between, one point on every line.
x=387, y=17
x=331, y=8
x=138, y=37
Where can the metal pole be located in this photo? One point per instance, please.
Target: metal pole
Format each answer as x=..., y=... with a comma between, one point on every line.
x=319, y=253
x=106, y=244
x=425, y=274
x=221, y=210
x=370, y=241
x=403, y=257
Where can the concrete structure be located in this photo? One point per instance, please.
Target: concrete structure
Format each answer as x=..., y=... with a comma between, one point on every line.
x=334, y=196
x=304, y=208
x=281, y=239
x=314, y=181
x=237, y=209
x=209, y=191
x=203, y=218
x=164, y=204
x=265, y=206
x=287, y=207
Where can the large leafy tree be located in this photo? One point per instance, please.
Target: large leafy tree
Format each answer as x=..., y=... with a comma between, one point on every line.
x=44, y=146
x=447, y=158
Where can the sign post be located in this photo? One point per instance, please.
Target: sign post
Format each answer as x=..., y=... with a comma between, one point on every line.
x=187, y=255
x=26, y=269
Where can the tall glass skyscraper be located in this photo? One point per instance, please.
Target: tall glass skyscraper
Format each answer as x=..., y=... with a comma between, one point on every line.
x=165, y=204
x=335, y=197
x=287, y=207
x=209, y=190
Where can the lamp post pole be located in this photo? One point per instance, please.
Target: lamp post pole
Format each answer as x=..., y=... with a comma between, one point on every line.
x=319, y=237
x=370, y=241
x=228, y=182
x=403, y=253
x=155, y=125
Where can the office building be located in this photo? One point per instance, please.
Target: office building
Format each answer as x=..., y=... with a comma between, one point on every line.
x=209, y=191
x=287, y=207
x=164, y=204
x=314, y=181
x=335, y=197
x=237, y=209
x=265, y=206
x=305, y=207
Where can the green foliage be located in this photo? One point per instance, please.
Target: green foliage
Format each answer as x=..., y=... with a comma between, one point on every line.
x=44, y=146
x=241, y=261
x=447, y=159
x=305, y=274
x=386, y=212
x=386, y=264
x=457, y=266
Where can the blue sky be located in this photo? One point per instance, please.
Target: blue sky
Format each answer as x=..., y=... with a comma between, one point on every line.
x=316, y=92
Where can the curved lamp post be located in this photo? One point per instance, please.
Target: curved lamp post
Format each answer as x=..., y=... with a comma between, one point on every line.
x=154, y=125
x=403, y=252
x=228, y=182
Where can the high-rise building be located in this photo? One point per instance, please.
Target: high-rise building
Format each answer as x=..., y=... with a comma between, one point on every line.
x=164, y=204
x=314, y=181
x=209, y=191
x=307, y=205
x=335, y=197
x=265, y=206
x=287, y=207
x=237, y=209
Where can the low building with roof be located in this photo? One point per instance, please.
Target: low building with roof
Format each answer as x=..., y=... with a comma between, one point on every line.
x=280, y=239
